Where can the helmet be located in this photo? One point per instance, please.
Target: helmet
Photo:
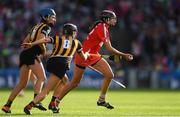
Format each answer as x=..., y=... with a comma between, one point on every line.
x=46, y=12
x=69, y=28
x=105, y=14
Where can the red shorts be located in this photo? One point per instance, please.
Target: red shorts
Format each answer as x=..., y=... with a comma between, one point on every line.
x=92, y=59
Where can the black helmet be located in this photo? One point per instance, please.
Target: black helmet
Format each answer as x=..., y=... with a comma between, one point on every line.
x=105, y=14
x=69, y=28
x=46, y=12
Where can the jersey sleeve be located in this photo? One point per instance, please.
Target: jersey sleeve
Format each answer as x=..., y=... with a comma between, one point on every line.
x=102, y=32
x=79, y=47
x=46, y=30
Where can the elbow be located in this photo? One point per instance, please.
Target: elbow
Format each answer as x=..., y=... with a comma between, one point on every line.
x=109, y=50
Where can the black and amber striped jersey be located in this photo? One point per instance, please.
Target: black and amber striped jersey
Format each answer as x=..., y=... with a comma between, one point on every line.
x=65, y=47
x=36, y=31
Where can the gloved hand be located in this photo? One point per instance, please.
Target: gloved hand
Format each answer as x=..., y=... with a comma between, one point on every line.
x=115, y=58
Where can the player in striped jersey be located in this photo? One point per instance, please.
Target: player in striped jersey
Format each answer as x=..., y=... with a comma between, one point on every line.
x=98, y=36
x=29, y=57
x=60, y=59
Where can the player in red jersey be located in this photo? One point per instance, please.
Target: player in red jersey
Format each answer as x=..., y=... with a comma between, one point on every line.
x=98, y=36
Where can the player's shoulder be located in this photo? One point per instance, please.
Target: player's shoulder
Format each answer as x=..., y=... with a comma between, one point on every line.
x=46, y=26
x=77, y=41
x=101, y=25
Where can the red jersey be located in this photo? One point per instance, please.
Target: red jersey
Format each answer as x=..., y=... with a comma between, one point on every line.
x=96, y=38
x=93, y=43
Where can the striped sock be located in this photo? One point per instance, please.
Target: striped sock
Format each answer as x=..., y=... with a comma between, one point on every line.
x=35, y=95
x=53, y=98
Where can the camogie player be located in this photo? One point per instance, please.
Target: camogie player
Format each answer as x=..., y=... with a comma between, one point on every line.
x=59, y=62
x=29, y=58
x=98, y=36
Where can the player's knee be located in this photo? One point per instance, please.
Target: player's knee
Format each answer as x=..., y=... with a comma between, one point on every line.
x=65, y=80
x=109, y=75
x=42, y=79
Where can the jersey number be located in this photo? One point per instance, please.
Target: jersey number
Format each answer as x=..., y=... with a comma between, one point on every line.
x=66, y=44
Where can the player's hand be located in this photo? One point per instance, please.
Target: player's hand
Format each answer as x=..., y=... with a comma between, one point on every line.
x=128, y=57
x=26, y=45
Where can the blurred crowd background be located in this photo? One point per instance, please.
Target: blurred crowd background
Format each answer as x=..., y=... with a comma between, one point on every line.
x=149, y=29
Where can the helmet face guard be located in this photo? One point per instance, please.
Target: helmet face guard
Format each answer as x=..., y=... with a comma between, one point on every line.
x=45, y=13
x=106, y=14
x=69, y=28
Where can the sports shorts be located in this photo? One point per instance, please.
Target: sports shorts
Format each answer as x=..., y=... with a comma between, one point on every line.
x=92, y=60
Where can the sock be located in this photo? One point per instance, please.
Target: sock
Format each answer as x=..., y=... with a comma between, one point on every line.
x=101, y=98
x=9, y=102
x=35, y=95
x=53, y=98
x=30, y=105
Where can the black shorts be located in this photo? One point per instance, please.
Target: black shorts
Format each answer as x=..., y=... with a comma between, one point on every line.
x=29, y=56
x=58, y=66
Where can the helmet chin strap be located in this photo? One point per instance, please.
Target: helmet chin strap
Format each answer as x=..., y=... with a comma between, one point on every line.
x=51, y=25
x=44, y=21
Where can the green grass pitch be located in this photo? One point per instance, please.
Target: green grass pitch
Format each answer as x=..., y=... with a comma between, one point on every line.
x=82, y=103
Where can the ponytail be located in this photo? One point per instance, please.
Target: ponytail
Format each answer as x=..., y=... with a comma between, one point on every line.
x=96, y=23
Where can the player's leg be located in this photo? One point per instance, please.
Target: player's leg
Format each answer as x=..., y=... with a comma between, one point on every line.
x=33, y=79
x=52, y=81
x=77, y=76
x=54, y=101
x=39, y=73
x=103, y=67
x=24, y=75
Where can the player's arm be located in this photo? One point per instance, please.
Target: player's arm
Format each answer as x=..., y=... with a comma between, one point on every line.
x=116, y=52
x=81, y=53
x=26, y=39
x=43, y=39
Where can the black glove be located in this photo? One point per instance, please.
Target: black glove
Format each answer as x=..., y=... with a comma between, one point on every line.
x=115, y=58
